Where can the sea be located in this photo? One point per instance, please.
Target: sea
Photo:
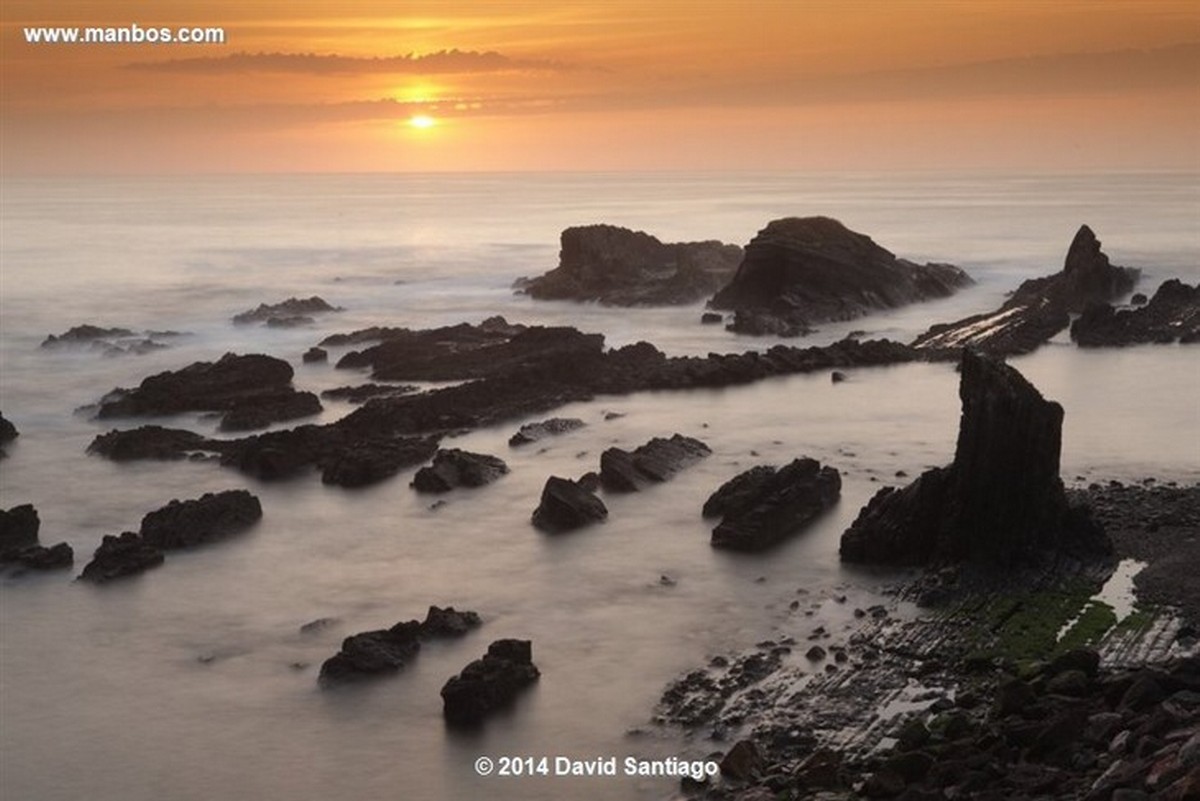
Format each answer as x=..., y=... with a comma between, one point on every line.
x=193, y=681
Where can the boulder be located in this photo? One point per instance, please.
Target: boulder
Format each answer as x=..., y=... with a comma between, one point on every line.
x=443, y=623
x=149, y=442
x=652, y=463
x=1041, y=307
x=489, y=684
x=565, y=505
x=372, y=653
x=801, y=271
x=315, y=355
x=253, y=391
x=1172, y=315
x=999, y=503
x=532, y=432
x=121, y=556
x=620, y=267
x=18, y=527
x=457, y=468
x=763, y=506
x=288, y=310
x=211, y=517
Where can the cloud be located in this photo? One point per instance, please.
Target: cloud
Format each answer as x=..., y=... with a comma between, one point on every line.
x=440, y=62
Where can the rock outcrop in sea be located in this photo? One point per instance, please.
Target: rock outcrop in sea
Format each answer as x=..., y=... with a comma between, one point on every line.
x=620, y=267
x=19, y=543
x=110, y=341
x=1000, y=502
x=286, y=314
x=533, y=432
x=251, y=391
x=8, y=433
x=489, y=684
x=765, y=505
x=653, y=463
x=1041, y=307
x=800, y=271
x=1172, y=315
x=453, y=467
x=566, y=505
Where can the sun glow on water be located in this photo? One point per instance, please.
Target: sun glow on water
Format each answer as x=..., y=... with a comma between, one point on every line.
x=421, y=121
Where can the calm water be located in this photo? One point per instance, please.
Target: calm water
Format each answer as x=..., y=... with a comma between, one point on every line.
x=181, y=683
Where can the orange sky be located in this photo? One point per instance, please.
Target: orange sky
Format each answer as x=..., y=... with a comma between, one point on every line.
x=614, y=85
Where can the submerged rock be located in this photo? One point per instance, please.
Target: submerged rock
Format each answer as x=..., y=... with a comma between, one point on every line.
x=121, y=556
x=620, y=267
x=567, y=505
x=40, y=557
x=489, y=684
x=287, y=312
x=1000, y=502
x=315, y=355
x=763, y=506
x=109, y=341
x=149, y=442
x=801, y=271
x=372, y=461
x=532, y=432
x=372, y=653
x=211, y=517
x=457, y=468
x=441, y=623
x=1172, y=315
x=252, y=391
x=1041, y=307
x=364, y=392
x=652, y=463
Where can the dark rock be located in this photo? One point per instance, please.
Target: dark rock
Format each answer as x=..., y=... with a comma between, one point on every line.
x=565, y=505
x=211, y=517
x=1138, y=299
x=1069, y=682
x=8, y=432
x=1013, y=696
x=318, y=625
x=883, y=783
x=372, y=653
x=109, y=341
x=837, y=377
x=532, y=432
x=252, y=391
x=1085, y=660
x=711, y=318
x=1145, y=692
x=364, y=392
x=315, y=355
x=121, y=556
x=815, y=654
x=652, y=463
x=912, y=766
x=999, y=503
x=39, y=557
x=1172, y=315
x=86, y=333
x=912, y=735
x=1041, y=307
x=764, y=506
x=372, y=461
x=18, y=527
x=489, y=684
x=289, y=309
x=456, y=468
x=442, y=623
x=149, y=442
x=802, y=271
x=743, y=762
x=619, y=267
x=290, y=321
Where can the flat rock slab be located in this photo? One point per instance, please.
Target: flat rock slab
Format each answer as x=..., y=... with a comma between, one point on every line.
x=533, y=432
x=763, y=506
x=489, y=684
x=656, y=461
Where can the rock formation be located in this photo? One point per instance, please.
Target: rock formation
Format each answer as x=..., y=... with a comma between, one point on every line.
x=489, y=684
x=763, y=505
x=457, y=468
x=652, y=463
x=252, y=391
x=1172, y=315
x=801, y=271
x=19, y=542
x=1041, y=307
x=374, y=653
x=1000, y=502
x=619, y=267
x=211, y=517
x=118, y=557
x=532, y=432
x=8, y=432
x=291, y=312
x=109, y=341
x=567, y=505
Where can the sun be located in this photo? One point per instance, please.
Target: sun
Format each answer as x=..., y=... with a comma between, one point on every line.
x=422, y=121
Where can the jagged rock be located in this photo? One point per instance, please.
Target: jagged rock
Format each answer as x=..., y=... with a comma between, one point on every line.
x=19, y=527
x=148, y=442
x=372, y=461
x=109, y=341
x=532, y=432
x=288, y=310
x=457, y=468
x=440, y=623
x=1000, y=502
x=315, y=355
x=565, y=505
x=39, y=557
x=364, y=392
x=652, y=463
x=489, y=684
x=211, y=517
x=762, y=506
x=121, y=556
x=802, y=271
x=620, y=267
x=252, y=391
x=372, y=653
x=1172, y=315
x=8, y=432
x=86, y=333
x=1041, y=307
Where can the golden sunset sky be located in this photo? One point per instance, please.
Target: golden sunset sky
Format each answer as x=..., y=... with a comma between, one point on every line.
x=615, y=85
